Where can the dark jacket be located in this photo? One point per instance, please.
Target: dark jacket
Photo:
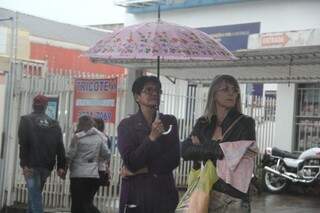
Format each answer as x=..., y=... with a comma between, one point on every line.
x=40, y=140
x=155, y=191
x=244, y=129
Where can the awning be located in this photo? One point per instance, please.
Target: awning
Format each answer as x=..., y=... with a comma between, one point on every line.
x=276, y=65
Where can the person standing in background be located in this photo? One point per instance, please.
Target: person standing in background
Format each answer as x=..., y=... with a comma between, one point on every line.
x=86, y=149
x=41, y=145
x=104, y=165
x=99, y=124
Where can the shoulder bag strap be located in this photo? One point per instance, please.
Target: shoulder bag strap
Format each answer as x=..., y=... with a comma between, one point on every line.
x=230, y=127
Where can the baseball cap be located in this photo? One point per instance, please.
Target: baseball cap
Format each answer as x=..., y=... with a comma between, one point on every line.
x=40, y=100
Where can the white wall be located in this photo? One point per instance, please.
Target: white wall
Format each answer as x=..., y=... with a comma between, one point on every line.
x=274, y=15
x=285, y=116
x=270, y=87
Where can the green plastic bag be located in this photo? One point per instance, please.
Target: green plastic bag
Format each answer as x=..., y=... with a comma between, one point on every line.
x=193, y=177
x=200, y=182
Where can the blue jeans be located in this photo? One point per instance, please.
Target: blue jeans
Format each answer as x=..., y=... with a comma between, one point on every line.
x=35, y=185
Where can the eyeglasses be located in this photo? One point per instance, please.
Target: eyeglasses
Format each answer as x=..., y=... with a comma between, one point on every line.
x=226, y=89
x=150, y=91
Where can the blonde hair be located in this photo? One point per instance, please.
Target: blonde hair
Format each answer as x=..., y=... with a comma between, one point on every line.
x=210, y=109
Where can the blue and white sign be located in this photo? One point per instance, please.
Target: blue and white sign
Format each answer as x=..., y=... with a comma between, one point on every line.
x=254, y=89
x=233, y=37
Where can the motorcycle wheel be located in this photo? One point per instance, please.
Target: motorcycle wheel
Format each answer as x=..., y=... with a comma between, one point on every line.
x=274, y=183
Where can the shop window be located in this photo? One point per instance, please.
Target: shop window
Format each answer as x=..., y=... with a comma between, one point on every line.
x=308, y=116
x=270, y=105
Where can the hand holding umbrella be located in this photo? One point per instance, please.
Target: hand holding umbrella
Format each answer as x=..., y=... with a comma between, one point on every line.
x=170, y=126
x=157, y=128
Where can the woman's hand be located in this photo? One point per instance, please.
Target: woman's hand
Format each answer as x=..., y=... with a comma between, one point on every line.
x=195, y=140
x=157, y=129
x=124, y=172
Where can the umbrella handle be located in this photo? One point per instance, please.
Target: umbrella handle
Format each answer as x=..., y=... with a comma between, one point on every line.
x=168, y=131
x=170, y=126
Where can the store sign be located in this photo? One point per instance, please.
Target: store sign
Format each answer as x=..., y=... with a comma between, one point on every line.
x=285, y=39
x=233, y=37
x=281, y=39
x=95, y=97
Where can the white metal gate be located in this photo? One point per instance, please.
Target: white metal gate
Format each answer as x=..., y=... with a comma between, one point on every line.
x=30, y=79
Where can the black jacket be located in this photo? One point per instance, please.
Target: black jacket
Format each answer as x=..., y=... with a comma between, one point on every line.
x=154, y=192
x=244, y=129
x=41, y=143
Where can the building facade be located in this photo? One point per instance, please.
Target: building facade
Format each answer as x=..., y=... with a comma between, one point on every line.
x=276, y=41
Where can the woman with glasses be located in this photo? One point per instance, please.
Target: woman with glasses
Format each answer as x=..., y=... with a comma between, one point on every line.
x=149, y=156
x=224, y=127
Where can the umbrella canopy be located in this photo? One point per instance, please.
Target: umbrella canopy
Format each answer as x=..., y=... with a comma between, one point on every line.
x=154, y=40
x=157, y=41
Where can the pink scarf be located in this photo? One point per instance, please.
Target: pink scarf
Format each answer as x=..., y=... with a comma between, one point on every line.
x=237, y=166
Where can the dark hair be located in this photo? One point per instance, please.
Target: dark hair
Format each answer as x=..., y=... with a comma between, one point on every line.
x=85, y=123
x=99, y=124
x=140, y=82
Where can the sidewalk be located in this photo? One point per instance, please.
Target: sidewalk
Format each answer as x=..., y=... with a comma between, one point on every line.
x=285, y=203
x=264, y=203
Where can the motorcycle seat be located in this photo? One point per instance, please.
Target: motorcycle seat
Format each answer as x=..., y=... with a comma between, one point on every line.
x=284, y=154
x=293, y=163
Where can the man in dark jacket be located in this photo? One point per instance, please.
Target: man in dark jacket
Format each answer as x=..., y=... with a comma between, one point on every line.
x=41, y=145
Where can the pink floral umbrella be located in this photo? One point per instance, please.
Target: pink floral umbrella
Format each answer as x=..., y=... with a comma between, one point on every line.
x=157, y=40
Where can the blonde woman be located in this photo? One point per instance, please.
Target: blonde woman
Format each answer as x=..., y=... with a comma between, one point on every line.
x=223, y=122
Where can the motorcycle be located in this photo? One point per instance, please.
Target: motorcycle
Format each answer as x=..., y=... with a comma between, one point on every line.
x=282, y=167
